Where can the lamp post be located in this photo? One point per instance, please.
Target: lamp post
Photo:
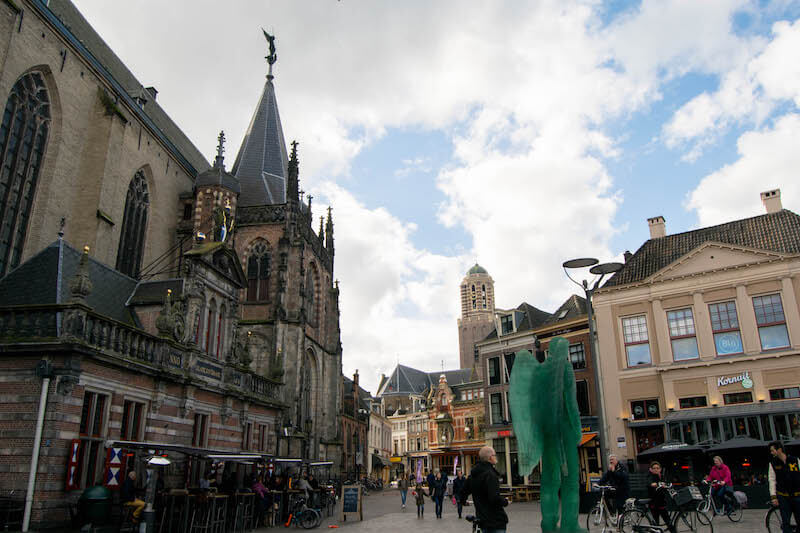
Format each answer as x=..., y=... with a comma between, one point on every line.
x=599, y=271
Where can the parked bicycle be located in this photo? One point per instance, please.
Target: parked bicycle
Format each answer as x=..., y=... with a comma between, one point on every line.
x=304, y=516
x=730, y=506
x=601, y=518
x=773, y=520
x=683, y=518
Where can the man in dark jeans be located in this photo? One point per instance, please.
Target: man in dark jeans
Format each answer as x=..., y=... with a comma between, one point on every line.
x=784, y=484
x=484, y=485
x=458, y=487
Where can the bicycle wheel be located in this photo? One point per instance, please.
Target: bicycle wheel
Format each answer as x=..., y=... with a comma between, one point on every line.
x=307, y=519
x=596, y=520
x=773, y=521
x=735, y=513
x=631, y=518
x=693, y=521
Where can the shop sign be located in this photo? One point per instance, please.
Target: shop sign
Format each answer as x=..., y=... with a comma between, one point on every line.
x=743, y=378
x=396, y=459
x=504, y=433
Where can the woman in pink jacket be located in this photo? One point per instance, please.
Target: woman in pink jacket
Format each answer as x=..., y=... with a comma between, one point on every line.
x=722, y=475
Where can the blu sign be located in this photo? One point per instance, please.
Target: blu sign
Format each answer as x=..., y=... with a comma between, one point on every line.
x=743, y=378
x=728, y=343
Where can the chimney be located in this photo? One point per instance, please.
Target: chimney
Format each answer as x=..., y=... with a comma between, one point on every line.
x=627, y=255
x=152, y=91
x=772, y=201
x=657, y=227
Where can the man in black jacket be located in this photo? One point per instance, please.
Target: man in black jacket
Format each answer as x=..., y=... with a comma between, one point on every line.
x=617, y=477
x=484, y=485
x=458, y=487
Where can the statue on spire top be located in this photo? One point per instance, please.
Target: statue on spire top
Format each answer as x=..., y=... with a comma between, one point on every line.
x=272, y=57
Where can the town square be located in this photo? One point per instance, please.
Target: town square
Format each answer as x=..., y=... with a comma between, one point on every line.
x=530, y=265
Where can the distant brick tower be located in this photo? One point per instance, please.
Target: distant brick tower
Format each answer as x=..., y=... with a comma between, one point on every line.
x=477, y=314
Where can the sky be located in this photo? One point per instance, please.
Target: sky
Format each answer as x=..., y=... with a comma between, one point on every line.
x=517, y=134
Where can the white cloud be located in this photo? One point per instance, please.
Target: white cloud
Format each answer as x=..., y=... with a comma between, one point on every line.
x=768, y=159
x=748, y=93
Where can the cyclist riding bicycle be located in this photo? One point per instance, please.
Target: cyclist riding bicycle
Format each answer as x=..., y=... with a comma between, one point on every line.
x=784, y=484
x=617, y=477
x=657, y=494
x=722, y=485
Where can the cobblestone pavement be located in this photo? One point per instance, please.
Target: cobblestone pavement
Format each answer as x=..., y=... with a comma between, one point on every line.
x=383, y=513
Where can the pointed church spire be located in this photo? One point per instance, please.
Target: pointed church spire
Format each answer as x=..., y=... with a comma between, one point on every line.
x=293, y=183
x=321, y=233
x=262, y=161
x=329, y=232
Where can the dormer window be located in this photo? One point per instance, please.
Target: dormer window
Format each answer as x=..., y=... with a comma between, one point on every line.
x=506, y=324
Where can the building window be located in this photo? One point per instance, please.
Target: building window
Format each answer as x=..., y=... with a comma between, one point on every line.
x=788, y=393
x=692, y=401
x=682, y=335
x=210, y=323
x=134, y=225
x=506, y=324
x=310, y=291
x=496, y=405
x=645, y=409
x=91, y=452
x=494, y=370
x=200, y=430
x=23, y=137
x=507, y=410
x=771, y=322
x=577, y=356
x=637, y=343
x=133, y=414
x=509, y=360
x=262, y=435
x=582, y=394
x=187, y=211
x=725, y=325
x=737, y=397
x=220, y=334
x=258, y=271
x=475, y=352
x=247, y=436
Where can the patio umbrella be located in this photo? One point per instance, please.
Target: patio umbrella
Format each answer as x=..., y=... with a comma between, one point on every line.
x=737, y=443
x=671, y=447
x=794, y=443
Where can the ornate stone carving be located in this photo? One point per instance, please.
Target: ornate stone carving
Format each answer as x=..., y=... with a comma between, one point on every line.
x=80, y=286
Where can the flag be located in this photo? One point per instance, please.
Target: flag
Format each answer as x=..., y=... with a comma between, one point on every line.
x=455, y=466
x=419, y=470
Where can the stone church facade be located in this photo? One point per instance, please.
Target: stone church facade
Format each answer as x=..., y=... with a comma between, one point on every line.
x=202, y=314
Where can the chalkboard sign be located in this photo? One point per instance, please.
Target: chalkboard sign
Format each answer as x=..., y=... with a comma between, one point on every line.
x=351, y=501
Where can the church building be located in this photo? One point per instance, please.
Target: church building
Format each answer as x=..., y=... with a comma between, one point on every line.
x=150, y=301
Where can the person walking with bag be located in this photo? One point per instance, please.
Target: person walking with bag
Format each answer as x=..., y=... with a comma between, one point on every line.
x=439, y=487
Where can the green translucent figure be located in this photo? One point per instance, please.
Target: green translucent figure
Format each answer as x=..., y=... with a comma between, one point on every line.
x=544, y=413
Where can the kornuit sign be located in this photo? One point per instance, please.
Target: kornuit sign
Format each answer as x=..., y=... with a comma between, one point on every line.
x=743, y=378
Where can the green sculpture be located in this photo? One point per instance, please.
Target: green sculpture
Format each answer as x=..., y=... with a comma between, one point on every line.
x=544, y=413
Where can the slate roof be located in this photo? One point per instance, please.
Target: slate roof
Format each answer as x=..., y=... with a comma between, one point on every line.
x=775, y=232
x=532, y=319
x=69, y=15
x=407, y=380
x=262, y=162
x=37, y=280
x=153, y=292
x=574, y=307
x=218, y=176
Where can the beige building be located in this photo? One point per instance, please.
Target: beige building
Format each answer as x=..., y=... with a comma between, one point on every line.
x=699, y=335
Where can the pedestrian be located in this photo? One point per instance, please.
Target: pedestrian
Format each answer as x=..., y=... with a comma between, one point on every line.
x=128, y=496
x=657, y=494
x=437, y=493
x=402, y=484
x=419, y=494
x=617, y=477
x=458, y=486
x=723, y=489
x=784, y=484
x=484, y=485
x=430, y=478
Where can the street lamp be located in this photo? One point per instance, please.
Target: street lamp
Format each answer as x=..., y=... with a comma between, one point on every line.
x=600, y=270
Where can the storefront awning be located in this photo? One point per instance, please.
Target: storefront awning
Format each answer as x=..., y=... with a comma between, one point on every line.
x=586, y=438
x=671, y=447
x=206, y=453
x=380, y=462
x=748, y=409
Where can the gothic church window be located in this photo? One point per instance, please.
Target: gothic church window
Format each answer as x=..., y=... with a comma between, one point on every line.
x=220, y=331
x=258, y=270
x=134, y=224
x=210, y=323
x=311, y=295
x=23, y=137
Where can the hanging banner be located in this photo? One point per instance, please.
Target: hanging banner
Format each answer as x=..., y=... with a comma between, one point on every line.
x=455, y=466
x=419, y=470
